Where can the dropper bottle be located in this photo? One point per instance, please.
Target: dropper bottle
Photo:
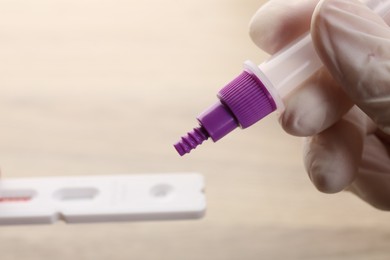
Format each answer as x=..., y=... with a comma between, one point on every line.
x=259, y=90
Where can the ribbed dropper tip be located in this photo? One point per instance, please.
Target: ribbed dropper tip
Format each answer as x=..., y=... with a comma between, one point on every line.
x=191, y=140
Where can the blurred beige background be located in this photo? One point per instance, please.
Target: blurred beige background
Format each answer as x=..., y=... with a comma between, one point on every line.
x=106, y=86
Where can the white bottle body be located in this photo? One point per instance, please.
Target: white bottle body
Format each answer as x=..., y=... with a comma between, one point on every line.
x=294, y=64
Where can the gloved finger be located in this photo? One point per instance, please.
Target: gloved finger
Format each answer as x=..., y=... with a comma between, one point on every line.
x=279, y=22
x=314, y=106
x=333, y=156
x=354, y=44
x=373, y=181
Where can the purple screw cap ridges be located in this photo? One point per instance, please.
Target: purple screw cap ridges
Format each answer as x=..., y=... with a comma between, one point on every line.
x=247, y=98
x=243, y=102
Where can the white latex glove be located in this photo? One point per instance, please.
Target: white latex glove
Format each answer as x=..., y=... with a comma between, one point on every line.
x=344, y=109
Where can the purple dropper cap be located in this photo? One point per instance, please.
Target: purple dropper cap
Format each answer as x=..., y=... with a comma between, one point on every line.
x=243, y=102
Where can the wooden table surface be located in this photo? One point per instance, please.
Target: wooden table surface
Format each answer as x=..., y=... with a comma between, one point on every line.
x=106, y=86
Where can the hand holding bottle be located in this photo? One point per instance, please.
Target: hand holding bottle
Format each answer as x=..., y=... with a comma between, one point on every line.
x=343, y=110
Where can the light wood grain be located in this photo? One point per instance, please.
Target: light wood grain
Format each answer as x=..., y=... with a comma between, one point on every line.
x=102, y=87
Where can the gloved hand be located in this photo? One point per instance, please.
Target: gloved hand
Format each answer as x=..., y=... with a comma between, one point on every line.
x=344, y=109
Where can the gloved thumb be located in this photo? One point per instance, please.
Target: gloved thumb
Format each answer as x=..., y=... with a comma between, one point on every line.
x=354, y=44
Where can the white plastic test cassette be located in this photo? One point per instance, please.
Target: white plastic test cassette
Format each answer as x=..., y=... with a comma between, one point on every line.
x=102, y=198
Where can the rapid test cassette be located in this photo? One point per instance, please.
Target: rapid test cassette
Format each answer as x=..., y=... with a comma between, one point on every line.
x=108, y=198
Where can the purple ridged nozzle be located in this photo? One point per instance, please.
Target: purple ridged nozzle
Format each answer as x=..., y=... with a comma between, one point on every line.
x=243, y=102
